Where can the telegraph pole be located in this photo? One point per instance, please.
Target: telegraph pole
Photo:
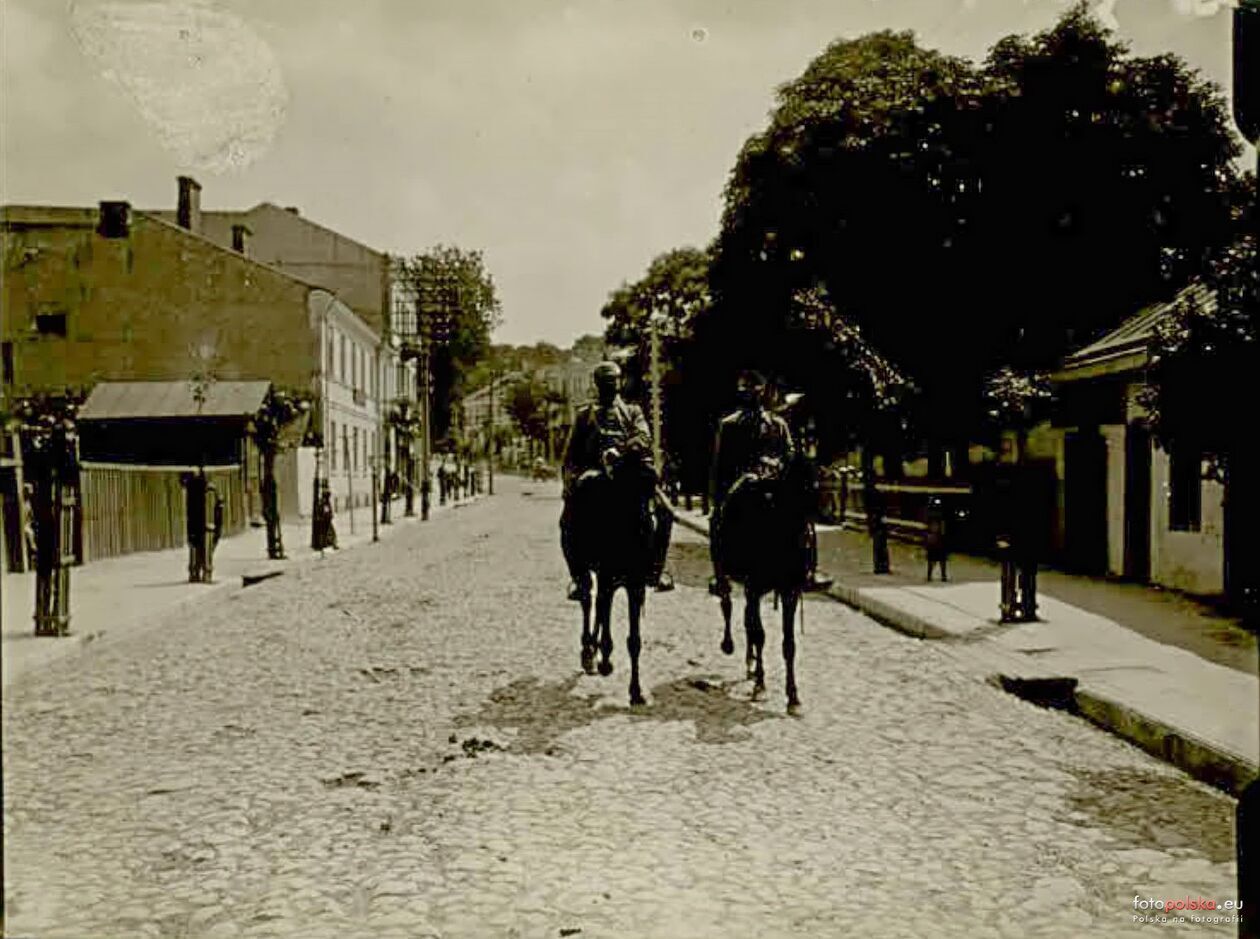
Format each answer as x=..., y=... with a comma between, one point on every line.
x=655, y=336
x=424, y=378
x=494, y=378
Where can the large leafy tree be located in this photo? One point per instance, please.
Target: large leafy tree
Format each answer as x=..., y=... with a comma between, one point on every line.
x=967, y=216
x=461, y=306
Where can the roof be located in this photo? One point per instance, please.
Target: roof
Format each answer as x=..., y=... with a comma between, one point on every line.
x=1125, y=348
x=123, y=400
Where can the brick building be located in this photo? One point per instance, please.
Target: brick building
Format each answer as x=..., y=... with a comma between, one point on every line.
x=111, y=293
x=283, y=239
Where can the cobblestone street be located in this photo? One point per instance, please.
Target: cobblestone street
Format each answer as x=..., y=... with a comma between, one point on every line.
x=398, y=741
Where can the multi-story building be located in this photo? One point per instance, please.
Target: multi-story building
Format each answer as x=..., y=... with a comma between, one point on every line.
x=363, y=280
x=283, y=239
x=111, y=293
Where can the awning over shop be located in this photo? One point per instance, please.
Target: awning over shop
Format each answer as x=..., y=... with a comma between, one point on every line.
x=149, y=400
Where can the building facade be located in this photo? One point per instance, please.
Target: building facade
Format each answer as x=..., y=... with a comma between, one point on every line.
x=1129, y=507
x=114, y=294
x=283, y=239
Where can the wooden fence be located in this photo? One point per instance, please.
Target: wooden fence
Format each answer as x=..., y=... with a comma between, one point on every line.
x=975, y=508
x=141, y=508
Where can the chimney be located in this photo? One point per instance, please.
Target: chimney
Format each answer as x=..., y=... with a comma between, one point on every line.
x=293, y=209
x=188, y=213
x=115, y=220
x=240, y=238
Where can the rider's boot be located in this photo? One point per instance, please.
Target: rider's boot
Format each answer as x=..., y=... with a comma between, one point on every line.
x=579, y=590
x=814, y=583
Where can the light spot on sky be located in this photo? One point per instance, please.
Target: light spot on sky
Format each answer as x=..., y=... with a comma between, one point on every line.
x=207, y=85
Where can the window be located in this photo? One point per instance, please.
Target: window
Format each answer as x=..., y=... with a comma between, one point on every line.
x=332, y=353
x=354, y=465
x=51, y=323
x=332, y=446
x=341, y=374
x=1185, y=489
x=6, y=363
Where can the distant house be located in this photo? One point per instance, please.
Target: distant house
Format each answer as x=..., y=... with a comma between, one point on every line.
x=1130, y=508
x=484, y=414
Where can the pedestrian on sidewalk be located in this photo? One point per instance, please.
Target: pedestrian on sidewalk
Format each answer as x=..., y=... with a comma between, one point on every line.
x=325, y=531
x=196, y=527
x=937, y=539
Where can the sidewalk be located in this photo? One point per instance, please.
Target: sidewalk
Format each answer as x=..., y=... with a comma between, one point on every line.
x=119, y=596
x=1152, y=667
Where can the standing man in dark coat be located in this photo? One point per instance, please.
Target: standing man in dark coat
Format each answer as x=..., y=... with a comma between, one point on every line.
x=601, y=432
x=750, y=441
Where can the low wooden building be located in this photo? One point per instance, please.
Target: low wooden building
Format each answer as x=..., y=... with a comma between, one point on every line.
x=1131, y=509
x=137, y=439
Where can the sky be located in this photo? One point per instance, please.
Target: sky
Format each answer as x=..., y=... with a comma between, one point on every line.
x=570, y=142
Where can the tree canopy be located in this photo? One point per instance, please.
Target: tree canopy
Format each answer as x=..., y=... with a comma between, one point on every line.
x=970, y=216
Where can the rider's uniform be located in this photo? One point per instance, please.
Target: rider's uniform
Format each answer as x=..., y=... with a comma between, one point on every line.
x=597, y=429
x=749, y=441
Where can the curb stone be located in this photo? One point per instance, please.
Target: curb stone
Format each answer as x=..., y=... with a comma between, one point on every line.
x=1205, y=761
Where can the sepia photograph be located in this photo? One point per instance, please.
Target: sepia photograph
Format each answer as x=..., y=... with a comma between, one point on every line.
x=629, y=469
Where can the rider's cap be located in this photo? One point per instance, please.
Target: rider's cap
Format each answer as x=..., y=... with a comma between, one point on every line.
x=607, y=370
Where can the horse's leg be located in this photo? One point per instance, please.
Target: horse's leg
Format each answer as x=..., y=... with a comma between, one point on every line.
x=635, y=596
x=603, y=613
x=752, y=610
x=756, y=638
x=728, y=644
x=588, y=636
x=791, y=599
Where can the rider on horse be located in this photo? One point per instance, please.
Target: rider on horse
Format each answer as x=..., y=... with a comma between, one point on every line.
x=751, y=442
x=602, y=432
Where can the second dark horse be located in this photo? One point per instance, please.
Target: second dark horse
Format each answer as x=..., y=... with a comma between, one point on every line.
x=613, y=537
x=764, y=542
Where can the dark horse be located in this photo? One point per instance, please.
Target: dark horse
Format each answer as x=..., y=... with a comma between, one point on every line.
x=764, y=546
x=613, y=538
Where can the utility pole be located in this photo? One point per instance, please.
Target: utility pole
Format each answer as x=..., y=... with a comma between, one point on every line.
x=654, y=333
x=494, y=378
x=424, y=378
